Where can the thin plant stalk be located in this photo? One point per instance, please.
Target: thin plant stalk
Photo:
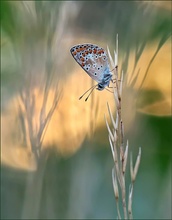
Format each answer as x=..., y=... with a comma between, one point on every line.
x=118, y=148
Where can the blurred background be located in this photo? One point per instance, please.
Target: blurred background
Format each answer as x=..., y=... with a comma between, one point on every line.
x=56, y=161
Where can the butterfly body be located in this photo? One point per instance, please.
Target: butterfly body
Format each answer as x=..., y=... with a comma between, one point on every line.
x=94, y=61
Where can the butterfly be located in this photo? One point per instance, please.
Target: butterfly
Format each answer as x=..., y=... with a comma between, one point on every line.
x=94, y=61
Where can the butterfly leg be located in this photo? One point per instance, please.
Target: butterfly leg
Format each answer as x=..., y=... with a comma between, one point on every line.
x=114, y=81
x=109, y=90
x=116, y=67
x=110, y=87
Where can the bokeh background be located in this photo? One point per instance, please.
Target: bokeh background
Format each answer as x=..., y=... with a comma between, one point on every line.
x=72, y=178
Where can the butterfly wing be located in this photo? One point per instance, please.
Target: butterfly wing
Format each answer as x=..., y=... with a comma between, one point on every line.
x=92, y=59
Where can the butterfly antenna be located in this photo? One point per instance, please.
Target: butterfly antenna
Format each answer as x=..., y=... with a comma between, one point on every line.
x=89, y=94
x=92, y=88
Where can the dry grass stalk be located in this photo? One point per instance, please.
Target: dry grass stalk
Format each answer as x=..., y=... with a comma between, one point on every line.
x=36, y=129
x=119, y=150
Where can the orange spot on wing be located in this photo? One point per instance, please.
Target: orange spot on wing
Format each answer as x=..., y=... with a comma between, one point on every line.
x=74, y=53
x=82, y=64
x=82, y=59
x=94, y=51
x=101, y=51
